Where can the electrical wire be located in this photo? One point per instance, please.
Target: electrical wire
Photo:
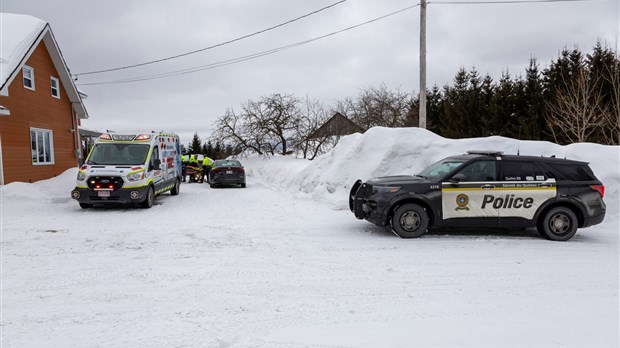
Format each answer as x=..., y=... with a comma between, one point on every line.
x=210, y=47
x=243, y=58
x=498, y=2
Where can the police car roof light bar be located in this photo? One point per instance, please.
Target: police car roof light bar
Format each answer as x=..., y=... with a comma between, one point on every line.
x=488, y=153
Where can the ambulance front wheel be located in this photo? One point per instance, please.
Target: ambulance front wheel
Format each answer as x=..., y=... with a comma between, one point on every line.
x=149, y=200
x=410, y=221
x=558, y=224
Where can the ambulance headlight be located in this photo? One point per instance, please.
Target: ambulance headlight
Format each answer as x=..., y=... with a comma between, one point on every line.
x=81, y=176
x=135, y=176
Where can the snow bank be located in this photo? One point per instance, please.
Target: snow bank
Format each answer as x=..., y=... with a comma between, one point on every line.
x=392, y=151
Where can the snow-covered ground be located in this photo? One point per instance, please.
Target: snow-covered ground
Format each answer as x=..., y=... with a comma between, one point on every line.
x=283, y=263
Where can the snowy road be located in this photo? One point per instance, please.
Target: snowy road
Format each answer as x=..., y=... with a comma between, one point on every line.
x=256, y=268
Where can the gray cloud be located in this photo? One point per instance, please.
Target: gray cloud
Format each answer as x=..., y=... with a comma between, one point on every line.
x=97, y=35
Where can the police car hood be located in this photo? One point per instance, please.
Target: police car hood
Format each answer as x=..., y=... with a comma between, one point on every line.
x=397, y=180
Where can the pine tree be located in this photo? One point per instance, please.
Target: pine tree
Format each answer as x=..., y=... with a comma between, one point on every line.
x=195, y=146
x=533, y=123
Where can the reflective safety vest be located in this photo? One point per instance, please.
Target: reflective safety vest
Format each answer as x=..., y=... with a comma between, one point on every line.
x=193, y=159
x=207, y=161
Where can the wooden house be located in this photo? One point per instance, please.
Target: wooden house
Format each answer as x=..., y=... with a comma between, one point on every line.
x=40, y=106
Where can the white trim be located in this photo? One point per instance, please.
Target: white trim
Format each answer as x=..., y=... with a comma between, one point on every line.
x=1, y=166
x=57, y=88
x=31, y=78
x=4, y=111
x=51, y=144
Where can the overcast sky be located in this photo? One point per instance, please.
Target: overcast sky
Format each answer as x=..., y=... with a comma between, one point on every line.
x=95, y=35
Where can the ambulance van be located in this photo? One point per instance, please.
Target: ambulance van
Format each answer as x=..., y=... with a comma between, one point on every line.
x=129, y=169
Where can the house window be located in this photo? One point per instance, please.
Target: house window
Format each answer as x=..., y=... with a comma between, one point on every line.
x=28, y=74
x=55, y=90
x=42, y=145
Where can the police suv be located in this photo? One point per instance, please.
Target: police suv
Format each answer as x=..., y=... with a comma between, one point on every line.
x=485, y=189
x=129, y=168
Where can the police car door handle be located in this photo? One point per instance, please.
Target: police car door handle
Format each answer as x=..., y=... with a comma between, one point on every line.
x=544, y=185
x=487, y=186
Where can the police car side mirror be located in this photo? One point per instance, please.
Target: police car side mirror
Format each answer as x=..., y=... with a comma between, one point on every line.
x=457, y=178
x=157, y=164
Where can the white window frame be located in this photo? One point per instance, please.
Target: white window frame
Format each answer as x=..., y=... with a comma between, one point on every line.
x=31, y=78
x=46, y=147
x=55, y=88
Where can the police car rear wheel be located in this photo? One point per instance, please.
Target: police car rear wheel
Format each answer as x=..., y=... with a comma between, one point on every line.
x=559, y=224
x=410, y=221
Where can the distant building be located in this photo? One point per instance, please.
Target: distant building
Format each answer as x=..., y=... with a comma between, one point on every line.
x=338, y=125
x=40, y=106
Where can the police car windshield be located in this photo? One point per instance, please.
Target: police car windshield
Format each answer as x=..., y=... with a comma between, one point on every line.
x=440, y=169
x=118, y=154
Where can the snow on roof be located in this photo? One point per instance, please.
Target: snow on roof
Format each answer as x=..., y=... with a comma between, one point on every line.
x=19, y=32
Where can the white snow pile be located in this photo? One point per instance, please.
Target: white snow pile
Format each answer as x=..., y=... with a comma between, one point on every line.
x=276, y=265
x=394, y=151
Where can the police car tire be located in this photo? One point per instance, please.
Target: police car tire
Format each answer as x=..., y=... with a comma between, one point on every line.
x=149, y=200
x=410, y=221
x=85, y=205
x=564, y=230
x=177, y=187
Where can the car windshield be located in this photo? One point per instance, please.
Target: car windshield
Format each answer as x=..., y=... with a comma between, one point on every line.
x=118, y=154
x=227, y=163
x=440, y=169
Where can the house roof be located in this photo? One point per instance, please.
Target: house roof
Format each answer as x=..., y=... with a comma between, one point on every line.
x=337, y=125
x=21, y=34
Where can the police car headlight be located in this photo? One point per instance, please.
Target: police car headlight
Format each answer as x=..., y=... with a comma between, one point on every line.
x=135, y=176
x=384, y=189
x=81, y=176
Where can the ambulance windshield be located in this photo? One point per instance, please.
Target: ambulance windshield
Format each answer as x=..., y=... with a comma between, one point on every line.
x=118, y=154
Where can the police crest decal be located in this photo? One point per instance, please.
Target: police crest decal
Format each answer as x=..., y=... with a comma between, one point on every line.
x=462, y=201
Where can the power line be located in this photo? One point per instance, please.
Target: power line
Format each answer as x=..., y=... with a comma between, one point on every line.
x=213, y=46
x=243, y=58
x=498, y=2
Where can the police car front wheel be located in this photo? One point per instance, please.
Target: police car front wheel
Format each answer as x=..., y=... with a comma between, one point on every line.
x=559, y=224
x=410, y=221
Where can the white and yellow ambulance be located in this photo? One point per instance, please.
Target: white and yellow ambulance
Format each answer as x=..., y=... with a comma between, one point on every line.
x=129, y=168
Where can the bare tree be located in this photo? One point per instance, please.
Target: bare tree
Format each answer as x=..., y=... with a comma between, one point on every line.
x=313, y=115
x=611, y=122
x=377, y=106
x=577, y=110
x=233, y=129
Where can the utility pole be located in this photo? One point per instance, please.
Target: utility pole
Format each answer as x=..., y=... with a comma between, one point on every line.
x=422, y=117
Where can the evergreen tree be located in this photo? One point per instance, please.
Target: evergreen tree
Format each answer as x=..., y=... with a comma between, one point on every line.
x=455, y=106
x=195, y=146
x=533, y=123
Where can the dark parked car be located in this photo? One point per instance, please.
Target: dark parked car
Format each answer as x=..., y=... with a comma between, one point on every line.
x=485, y=189
x=227, y=172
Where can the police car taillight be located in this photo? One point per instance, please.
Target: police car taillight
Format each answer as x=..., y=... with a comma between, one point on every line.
x=599, y=188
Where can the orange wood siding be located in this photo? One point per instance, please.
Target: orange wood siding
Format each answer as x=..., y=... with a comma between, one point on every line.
x=37, y=109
